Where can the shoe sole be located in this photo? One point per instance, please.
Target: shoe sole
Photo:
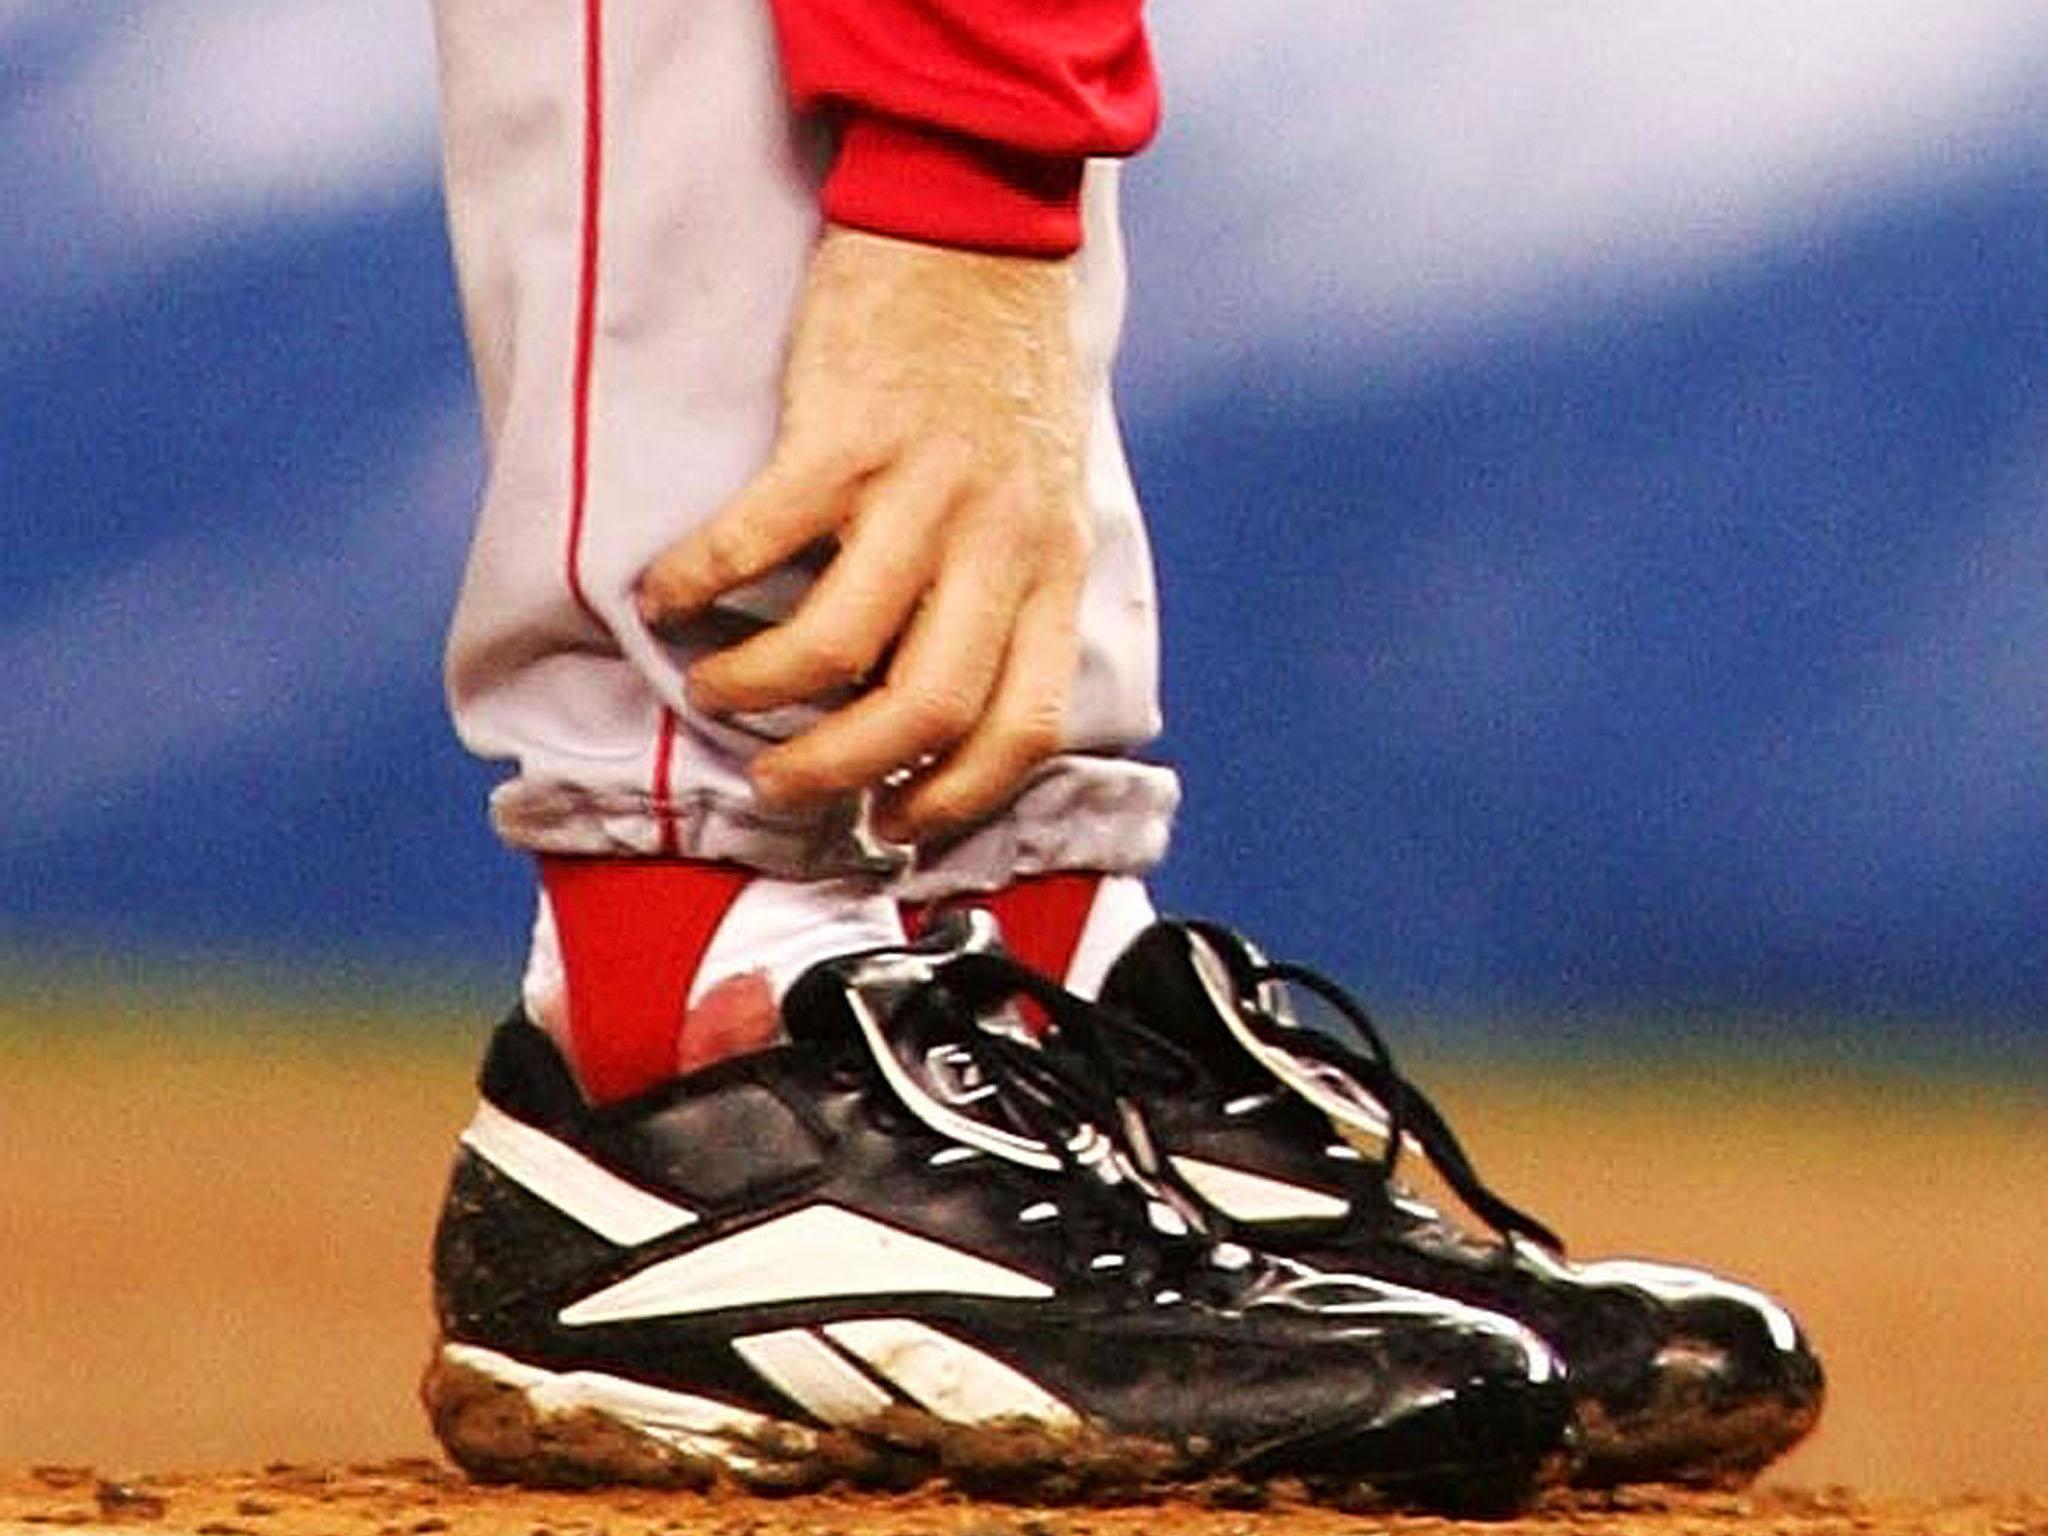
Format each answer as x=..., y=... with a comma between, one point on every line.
x=504, y=1421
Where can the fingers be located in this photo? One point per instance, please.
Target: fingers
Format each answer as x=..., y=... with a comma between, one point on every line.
x=939, y=684
x=1024, y=724
x=975, y=594
x=795, y=501
x=853, y=612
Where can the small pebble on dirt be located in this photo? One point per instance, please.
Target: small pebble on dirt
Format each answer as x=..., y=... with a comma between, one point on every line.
x=126, y=1501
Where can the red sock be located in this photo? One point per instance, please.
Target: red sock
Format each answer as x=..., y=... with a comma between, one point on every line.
x=632, y=934
x=1042, y=917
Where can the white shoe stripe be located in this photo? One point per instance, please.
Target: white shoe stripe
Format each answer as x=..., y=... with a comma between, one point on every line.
x=799, y=1363
x=1676, y=1282
x=818, y=1251
x=552, y=1171
x=1246, y=1196
x=953, y=1380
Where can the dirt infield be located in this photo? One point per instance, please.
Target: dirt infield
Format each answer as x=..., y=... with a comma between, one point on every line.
x=418, y=1498
x=212, y=1264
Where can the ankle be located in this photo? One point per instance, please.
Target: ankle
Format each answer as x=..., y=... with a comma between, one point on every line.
x=642, y=969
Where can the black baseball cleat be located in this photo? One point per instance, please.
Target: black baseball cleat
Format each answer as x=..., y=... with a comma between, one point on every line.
x=1274, y=1097
x=912, y=1243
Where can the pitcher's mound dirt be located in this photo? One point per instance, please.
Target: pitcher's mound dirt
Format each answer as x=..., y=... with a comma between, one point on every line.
x=421, y=1498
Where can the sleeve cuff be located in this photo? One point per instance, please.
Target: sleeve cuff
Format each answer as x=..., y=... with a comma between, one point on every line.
x=896, y=178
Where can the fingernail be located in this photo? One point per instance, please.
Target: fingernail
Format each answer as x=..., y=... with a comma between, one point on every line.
x=891, y=826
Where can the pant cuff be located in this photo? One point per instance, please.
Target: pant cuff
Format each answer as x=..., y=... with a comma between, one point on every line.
x=1105, y=814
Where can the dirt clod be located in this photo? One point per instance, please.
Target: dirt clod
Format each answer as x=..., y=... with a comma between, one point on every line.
x=62, y=1477
x=127, y=1501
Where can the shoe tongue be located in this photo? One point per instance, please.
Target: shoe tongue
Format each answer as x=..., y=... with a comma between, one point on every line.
x=894, y=1007
x=815, y=1013
x=1174, y=980
x=1185, y=982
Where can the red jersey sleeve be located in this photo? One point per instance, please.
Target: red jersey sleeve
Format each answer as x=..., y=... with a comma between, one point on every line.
x=967, y=122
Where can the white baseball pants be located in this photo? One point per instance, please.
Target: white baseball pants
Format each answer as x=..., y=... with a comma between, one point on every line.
x=632, y=206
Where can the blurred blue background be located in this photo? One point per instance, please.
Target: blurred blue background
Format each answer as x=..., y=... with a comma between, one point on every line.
x=1598, y=464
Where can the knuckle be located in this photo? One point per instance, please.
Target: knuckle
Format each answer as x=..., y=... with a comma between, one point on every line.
x=839, y=458
x=936, y=714
x=1059, y=540
x=1079, y=540
x=1069, y=530
x=1034, y=738
x=729, y=552
x=834, y=660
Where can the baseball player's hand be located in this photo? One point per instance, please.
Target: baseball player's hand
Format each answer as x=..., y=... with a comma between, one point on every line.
x=931, y=431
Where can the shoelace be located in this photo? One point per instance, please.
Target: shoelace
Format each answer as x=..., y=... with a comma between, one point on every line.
x=1065, y=1093
x=1410, y=1112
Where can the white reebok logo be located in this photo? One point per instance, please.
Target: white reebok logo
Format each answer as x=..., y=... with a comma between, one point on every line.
x=819, y=1251
x=832, y=1372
